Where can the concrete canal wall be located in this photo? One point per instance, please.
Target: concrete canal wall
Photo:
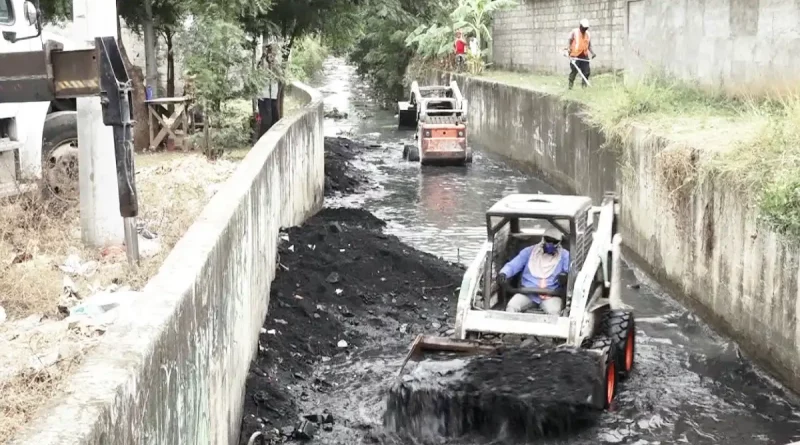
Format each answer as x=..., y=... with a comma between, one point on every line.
x=702, y=242
x=172, y=370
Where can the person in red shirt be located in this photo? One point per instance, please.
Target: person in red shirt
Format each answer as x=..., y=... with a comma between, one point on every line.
x=461, y=49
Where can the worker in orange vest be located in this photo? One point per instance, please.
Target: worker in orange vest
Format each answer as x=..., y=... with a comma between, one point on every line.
x=580, y=48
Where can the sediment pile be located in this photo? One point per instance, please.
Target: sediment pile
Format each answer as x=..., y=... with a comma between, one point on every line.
x=342, y=286
x=340, y=175
x=511, y=395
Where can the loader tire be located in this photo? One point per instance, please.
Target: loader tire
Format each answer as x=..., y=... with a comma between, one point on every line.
x=606, y=392
x=413, y=153
x=620, y=328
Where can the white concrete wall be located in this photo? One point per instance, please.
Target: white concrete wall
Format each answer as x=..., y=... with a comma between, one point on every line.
x=717, y=42
x=704, y=244
x=735, y=44
x=172, y=370
x=532, y=35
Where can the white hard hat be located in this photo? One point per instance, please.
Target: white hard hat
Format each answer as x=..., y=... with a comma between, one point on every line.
x=554, y=233
x=584, y=23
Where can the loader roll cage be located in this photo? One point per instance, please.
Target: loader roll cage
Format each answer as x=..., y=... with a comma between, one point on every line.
x=433, y=101
x=505, y=223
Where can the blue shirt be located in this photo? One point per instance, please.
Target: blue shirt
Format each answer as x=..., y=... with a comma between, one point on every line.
x=520, y=264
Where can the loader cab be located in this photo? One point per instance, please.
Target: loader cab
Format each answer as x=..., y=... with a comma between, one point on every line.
x=519, y=221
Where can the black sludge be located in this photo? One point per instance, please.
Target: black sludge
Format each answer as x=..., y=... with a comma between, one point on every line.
x=514, y=395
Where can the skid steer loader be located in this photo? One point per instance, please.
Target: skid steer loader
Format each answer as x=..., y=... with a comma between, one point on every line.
x=593, y=316
x=438, y=113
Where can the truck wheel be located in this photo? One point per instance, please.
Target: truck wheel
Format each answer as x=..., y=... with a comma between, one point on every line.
x=620, y=328
x=606, y=392
x=60, y=155
x=413, y=153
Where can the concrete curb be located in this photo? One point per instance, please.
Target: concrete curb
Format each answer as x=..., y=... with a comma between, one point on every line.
x=172, y=370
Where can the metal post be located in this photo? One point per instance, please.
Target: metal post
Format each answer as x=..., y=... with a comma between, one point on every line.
x=116, y=90
x=615, y=293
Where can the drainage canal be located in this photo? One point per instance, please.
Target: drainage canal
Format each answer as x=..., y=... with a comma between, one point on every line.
x=350, y=296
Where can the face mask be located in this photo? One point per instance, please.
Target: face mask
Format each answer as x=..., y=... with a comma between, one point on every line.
x=550, y=248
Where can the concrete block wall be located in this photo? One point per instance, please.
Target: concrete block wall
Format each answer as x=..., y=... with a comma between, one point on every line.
x=172, y=369
x=720, y=43
x=532, y=35
x=707, y=246
x=733, y=44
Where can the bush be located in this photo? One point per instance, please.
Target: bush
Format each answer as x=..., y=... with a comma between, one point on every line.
x=308, y=56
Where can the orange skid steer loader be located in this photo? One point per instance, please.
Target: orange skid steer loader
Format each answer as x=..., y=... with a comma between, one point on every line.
x=439, y=114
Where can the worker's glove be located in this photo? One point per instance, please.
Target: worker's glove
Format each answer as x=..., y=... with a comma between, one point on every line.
x=502, y=279
x=594, y=55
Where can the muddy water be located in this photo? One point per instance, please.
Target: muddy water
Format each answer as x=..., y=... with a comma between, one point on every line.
x=690, y=385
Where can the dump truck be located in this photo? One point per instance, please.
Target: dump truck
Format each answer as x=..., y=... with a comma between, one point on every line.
x=439, y=116
x=593, y=317
x=38, y=138
x=41, y=75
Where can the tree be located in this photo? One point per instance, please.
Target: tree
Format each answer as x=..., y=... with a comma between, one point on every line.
x=218, y=60
x=434, y=42
x=475, y=16
x=287, y=21
x=380, y=52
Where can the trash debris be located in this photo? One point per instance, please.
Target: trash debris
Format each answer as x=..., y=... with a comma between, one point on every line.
x=339, y=291
x=271, y=332
x=21, y=257
x=279, y=321
x=149, y=247
x=305, y=430
x=73, y=266
x=341, y=344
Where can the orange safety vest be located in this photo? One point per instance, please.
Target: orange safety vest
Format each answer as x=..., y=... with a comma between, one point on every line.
x=580, y=43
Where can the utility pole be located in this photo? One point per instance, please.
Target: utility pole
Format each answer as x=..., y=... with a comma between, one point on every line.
x=101, y=223
x=151, y=69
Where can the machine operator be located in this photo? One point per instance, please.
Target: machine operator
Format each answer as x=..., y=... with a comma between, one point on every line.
x=540, y=264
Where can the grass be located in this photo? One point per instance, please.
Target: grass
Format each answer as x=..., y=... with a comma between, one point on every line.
x=37, y=234
x=752, y=142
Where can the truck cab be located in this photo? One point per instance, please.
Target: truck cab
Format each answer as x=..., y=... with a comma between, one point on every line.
x=38, y=140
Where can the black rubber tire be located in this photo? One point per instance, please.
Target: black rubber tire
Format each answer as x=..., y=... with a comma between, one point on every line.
x=604, y=345
x=620, y=328
x=469, y=158
x=413, y=154
x=405, y=151
x=59, y=128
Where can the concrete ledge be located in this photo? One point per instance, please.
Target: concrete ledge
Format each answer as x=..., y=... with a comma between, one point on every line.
x=703, y=243
x=172, y=371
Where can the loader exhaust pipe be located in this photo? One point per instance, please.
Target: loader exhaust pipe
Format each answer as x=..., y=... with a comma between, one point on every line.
x=615, y=293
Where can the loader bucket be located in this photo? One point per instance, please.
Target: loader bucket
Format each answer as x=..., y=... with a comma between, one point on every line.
x=428, y=344
x=474, y=389
x=406, y=115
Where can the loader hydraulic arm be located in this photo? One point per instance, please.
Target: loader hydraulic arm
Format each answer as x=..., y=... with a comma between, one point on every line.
x=52, y=73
